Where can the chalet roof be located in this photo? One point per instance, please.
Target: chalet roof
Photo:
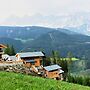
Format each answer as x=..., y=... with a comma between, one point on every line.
x=30, y=54
x=2, y=46
x=52, y=67
x=61, y=71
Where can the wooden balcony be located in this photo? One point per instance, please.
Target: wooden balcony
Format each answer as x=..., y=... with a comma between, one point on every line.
x=1, y=52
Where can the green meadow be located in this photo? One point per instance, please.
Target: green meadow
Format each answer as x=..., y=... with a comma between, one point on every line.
x=14, y=81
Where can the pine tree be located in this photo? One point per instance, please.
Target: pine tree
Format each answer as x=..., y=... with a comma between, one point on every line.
x=10, y=50
x=69, y=57
x=7, y=50
x=55, y=57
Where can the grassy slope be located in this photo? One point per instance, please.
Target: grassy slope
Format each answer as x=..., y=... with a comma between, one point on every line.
x=12, y=81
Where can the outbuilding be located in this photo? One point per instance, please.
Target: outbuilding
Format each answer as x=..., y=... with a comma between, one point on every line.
x=54, y=71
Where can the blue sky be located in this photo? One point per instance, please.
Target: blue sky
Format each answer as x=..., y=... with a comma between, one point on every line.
x=21, y=8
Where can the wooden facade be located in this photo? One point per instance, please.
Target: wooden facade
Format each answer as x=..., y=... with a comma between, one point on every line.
x=36, y=61
x=52, y=74
x=1, y=50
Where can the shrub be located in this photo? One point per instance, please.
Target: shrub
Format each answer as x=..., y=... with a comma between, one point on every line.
x=82, y=80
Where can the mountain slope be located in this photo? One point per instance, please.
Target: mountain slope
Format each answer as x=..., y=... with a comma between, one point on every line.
x=28, y=32
x=18, y=45
x=47, y=39
x=56, y=40
x=25, y=35
x=67, y=31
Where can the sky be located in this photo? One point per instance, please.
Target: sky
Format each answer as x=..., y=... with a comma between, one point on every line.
x=21, y=8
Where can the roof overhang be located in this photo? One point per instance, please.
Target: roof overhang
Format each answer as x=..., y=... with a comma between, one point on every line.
x=30, y=54
x=2, y=46
x=52, y=67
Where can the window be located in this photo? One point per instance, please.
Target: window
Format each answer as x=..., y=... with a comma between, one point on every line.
x=32, y=63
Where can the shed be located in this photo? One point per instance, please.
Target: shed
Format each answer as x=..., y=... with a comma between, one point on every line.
x=53, y=71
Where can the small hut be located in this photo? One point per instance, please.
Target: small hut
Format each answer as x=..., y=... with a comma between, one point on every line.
x=54, y=71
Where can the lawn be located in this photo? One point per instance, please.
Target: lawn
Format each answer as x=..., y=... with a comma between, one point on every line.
x=13, y=81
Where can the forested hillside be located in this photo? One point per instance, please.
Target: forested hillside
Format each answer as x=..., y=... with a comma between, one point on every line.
x=47, y=39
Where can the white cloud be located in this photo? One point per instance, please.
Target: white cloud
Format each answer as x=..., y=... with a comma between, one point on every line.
x=46, y=7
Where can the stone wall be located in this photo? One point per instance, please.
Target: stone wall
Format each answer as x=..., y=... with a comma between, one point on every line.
x=17, y=68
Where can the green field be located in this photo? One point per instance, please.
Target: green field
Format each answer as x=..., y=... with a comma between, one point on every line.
x=13, y=81
x=73, y=59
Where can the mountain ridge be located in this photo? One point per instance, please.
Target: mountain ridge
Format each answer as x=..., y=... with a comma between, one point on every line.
x=39, y=38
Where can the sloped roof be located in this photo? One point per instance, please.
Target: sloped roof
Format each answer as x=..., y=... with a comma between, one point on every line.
x=2, y=46
x=61, y=71
x=30, y=54
x=52, y=67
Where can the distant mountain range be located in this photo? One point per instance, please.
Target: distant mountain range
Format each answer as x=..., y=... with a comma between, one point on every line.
x=78, y=22
x=83, y=29
x=23, y=32
x=46, y=39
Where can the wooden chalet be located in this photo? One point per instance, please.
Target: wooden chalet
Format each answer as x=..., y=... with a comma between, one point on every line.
x=1, y=50
x=31, y=58
x=54, y=71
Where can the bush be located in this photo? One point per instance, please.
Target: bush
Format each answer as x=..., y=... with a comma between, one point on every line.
x=79, y=80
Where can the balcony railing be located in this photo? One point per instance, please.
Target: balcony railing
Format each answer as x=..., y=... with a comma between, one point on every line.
x=1, y=52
